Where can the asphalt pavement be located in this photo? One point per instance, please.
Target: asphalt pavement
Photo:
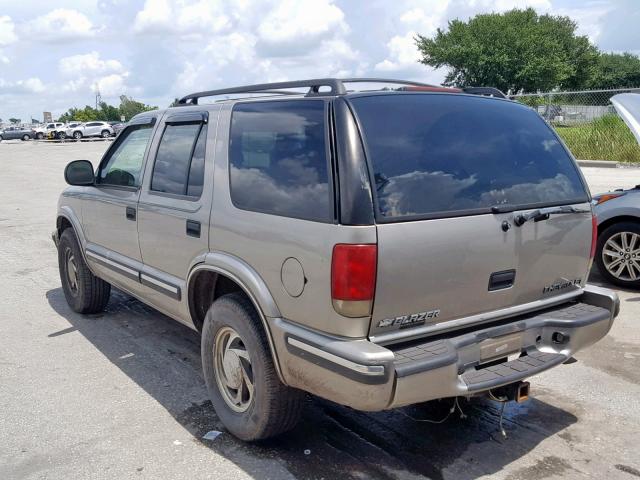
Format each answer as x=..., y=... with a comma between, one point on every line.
x=121, y=395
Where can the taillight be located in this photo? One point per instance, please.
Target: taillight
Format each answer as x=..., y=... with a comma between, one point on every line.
x=353, y=278
x=594, y=236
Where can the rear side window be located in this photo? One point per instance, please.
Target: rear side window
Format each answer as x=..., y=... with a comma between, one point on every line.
x=179, y=166
x=278, y=159
x=438, y=155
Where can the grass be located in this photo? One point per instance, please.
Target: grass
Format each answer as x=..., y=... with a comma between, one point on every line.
x=607, y=138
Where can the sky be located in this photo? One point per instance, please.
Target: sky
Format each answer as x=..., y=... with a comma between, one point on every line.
x=55, y=55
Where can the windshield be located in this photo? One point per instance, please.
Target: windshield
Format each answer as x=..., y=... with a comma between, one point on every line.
x=438, y=155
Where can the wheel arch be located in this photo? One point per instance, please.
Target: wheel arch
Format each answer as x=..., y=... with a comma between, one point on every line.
x=221, y=273
x=617, y=219
x=67, y=218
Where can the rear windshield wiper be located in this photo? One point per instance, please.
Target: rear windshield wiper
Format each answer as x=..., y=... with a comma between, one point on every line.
x=543, y=213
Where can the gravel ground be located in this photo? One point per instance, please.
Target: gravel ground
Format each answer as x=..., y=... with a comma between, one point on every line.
x=120, y=394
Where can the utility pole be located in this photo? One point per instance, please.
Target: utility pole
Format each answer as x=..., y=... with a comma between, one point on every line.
x=98, y=97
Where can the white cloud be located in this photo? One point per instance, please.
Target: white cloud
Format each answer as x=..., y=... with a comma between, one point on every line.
x=30, y=85
x=402, y=54
x=89, y=63
x=61, y=25
x=7, y=31
x=162, y=16
x=111, y=85
x=294, y=26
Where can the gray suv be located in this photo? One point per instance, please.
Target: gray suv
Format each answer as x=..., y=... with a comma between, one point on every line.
x=376, y=248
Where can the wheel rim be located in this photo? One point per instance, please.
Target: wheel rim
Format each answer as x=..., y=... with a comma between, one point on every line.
x=77, y=135
x=72, y=271
x=105, y=134
x=621, y=256
x=233, y=371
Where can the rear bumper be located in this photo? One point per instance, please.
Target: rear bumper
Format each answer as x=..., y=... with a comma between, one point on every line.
x=368, y=376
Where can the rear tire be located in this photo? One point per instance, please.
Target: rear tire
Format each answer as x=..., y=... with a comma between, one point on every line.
x=265, y=406
x=618, y=254
x=84, y=292
x=77, y=135
x=61, y=135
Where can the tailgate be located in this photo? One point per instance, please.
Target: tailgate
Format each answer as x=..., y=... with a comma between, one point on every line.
x=432, y=272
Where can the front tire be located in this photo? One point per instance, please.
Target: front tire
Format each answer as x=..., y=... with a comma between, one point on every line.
x=61, y=135
x=105, y=134
x=84, y=292
x=39, y=135
x=240, y=375
x=77, y=135
x=25, y=138
x=618, y=254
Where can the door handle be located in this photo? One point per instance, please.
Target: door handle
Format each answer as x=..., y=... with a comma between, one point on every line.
x=131, y=213
x=193, y=228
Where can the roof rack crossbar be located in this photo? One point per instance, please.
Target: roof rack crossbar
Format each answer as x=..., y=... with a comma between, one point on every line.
x=336, y=87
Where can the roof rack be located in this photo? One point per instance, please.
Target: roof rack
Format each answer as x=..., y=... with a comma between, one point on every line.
x=336, y=87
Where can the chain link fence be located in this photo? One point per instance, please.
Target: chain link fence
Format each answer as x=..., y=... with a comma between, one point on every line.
x=587, y=122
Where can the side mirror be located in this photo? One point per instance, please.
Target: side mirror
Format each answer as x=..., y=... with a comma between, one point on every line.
x=79, y=172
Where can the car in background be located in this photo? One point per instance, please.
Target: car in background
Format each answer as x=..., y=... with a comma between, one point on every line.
x=48, y=130
x=117, y=127
x=618, y=214
x=91, y=129
x=15, y=133
x=74, y=130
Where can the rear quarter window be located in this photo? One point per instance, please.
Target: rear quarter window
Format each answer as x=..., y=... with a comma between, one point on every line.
x=439, y=155
x=278, y=159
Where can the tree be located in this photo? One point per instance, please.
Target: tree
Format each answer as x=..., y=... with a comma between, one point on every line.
x=130, y=107
x=518, y=50
x=109, y=112
x=613, y=70
x=14, y=120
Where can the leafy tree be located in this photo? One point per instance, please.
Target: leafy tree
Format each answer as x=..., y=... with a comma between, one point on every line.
x=130, y=107
x=513, y=51
x=14, y=120
x=613, y=70
x=109, y=112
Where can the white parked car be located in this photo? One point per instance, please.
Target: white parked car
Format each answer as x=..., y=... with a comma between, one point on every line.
x=72, y=130
x=49, y=129
x=90, y=129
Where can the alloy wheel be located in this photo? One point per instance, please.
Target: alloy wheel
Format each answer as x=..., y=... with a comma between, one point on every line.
x=621, y=256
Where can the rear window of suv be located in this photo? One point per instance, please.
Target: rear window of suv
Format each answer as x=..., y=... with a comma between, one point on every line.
x=443, y=155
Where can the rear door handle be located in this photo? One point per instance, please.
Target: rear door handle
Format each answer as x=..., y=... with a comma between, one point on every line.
x=131, y=213
x=193, y=228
